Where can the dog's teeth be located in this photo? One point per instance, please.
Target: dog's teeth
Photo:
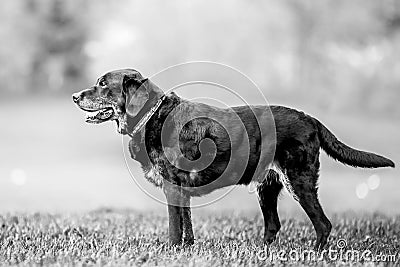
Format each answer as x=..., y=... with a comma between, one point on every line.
x=105, y=114
x=91, y=117
x=99, y=115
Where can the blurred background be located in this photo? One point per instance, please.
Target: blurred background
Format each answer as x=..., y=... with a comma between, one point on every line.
x=338, y=60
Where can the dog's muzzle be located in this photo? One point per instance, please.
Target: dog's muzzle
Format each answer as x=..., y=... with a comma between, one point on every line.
x=95, y=112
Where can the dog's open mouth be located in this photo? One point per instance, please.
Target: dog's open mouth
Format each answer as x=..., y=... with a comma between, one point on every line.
x=100, y=115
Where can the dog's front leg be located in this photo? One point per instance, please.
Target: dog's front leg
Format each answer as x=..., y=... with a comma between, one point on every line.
x=175, y=225
x=188, y=237
x=175, y=228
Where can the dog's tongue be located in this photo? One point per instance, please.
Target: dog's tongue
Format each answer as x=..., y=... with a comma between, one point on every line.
x=99, y=116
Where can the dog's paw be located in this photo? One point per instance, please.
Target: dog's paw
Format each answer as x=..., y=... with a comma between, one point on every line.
x=188, y=241
x=269, y=237
x=174, y=242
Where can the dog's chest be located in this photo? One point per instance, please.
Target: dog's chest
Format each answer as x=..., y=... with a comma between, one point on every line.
x=153, y=174
x=155, y=170
x=162, y=167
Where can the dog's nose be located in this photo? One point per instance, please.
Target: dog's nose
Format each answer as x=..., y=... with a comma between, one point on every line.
x=75, y=97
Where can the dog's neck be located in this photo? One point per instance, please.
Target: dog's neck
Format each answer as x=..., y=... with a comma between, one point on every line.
x=154, y=96
x=168, y=102
x=142, y=122
x=151, y=131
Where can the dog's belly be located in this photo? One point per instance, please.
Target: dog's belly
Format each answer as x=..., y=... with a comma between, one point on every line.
x=241, y=169
x=195, y=183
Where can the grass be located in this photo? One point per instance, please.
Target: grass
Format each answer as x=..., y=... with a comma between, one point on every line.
x=109, y=237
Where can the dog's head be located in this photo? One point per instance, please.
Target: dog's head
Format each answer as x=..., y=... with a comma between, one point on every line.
x=117, y=95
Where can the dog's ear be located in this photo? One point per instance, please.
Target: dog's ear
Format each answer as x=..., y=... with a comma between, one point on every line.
x=135, y=93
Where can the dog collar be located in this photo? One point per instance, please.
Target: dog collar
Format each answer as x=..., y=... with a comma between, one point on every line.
x=146, y=117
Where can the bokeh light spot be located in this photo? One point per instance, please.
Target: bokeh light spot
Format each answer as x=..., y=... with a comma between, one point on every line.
x=373, y=182
x=362, y=190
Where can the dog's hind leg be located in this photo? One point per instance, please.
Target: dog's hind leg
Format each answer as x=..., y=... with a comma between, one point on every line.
x=304, y=186
x=268, y=192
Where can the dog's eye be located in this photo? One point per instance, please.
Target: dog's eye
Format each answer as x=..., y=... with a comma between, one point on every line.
x=102, y=83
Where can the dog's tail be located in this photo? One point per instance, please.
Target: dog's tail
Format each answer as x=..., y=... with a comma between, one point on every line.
x=347, y=155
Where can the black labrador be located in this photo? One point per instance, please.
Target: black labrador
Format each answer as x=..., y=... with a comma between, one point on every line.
x=190, y=149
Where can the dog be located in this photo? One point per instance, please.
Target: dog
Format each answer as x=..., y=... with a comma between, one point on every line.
x=186, y=147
